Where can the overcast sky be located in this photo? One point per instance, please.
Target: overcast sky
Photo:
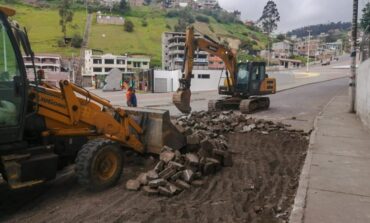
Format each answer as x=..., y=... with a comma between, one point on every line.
x=296, y=13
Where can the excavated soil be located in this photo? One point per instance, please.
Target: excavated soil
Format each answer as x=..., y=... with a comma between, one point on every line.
x=259, y=187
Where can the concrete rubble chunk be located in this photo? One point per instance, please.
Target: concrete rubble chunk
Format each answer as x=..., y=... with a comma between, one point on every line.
x=176, y=165
x=167, y=172
x=188, y=175
x=150, y=191
x=156, y=183
x=193, y=139
x=160, y=166
x=151, y=175
x=198, y=183
x=167, y=156
x=133, y=185
x=173, y=188
x=142, y=178
x=211, y=166
x=192, y=159
x=176, y=176
x=165, y=191
x=182, y=184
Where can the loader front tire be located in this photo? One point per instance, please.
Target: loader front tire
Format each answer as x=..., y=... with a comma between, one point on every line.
x=99, y=164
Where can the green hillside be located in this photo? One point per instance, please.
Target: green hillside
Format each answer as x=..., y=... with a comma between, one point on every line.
x=44, y=30
x=147, y=40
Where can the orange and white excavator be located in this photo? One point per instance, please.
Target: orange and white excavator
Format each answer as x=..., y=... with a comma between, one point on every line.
x=45, y=128
x=244, y=83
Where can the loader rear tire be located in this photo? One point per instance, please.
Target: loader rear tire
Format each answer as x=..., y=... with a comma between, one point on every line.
x=99, y=164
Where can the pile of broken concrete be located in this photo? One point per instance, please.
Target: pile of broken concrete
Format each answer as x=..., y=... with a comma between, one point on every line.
x=205, y=154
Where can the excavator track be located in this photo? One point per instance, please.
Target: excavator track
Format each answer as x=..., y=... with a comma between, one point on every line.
x=248, y=106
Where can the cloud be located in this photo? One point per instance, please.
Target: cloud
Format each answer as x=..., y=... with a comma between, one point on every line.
x=296, y=13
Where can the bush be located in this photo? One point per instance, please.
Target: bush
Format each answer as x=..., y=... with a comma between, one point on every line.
x=211, y=28
x=128, y=26
x=201, y=18
x=172, y=14
x=76, y=41
x=61, y=42
x=168, y=27
x=144, y=23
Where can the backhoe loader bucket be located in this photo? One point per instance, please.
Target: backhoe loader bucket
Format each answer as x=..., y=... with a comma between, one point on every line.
x=158, y=129
x=181, y=99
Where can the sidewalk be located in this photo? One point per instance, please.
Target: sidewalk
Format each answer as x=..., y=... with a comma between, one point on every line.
x=335, y=181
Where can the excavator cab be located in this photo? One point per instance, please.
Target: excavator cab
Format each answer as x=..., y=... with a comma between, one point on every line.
x=13, y=92
x=249, y=78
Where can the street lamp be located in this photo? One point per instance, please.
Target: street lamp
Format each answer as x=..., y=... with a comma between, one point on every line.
x=308, y=49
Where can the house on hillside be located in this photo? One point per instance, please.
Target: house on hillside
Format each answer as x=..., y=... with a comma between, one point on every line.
x=135, y=3
x=109, y=19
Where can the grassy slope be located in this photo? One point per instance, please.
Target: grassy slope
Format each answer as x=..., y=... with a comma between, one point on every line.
x=147, y=40
x=44, y=30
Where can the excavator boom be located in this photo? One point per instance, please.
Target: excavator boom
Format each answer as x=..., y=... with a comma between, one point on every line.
x=182, y=96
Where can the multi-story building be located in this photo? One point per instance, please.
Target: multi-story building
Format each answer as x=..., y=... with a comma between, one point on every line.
x=173, y=45
x=51, y=65
x=46, y=62
x=207, y=4
x=283, y=49
x=314, y=47
x=97, y=66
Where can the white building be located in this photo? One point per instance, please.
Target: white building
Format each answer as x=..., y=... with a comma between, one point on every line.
x=202, y=80
x=51, y=65
x=97, y=66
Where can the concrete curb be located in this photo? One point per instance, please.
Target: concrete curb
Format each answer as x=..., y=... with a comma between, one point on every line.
x=297, y=214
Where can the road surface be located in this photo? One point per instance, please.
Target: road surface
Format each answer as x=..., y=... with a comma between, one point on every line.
x=63, y=200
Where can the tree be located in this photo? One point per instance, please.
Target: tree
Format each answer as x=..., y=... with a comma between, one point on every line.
x=365, y=20
x=128, y=26
x=65, y=14
x=270, y=17
x=280, y=37
x=124, y=6
x=76, y=41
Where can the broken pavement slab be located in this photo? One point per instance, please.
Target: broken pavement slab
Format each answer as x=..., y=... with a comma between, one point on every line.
x=133, y=185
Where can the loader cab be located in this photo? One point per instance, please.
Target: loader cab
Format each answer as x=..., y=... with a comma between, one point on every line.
x=13, y=92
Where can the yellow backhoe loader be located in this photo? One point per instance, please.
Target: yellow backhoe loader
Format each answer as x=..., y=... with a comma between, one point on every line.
x=243, y=85
x=45, y=128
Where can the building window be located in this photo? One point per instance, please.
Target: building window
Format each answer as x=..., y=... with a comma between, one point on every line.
x=121, y=61
x=97, y=61
x=137, y=64
x=204, y=76
x=97, y=69
x=129, y=62
x=108, y=69
x=145, y=63
x=109, y=61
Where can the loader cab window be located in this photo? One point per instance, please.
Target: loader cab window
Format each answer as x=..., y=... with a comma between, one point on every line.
x=258, y=73
x=10, y=101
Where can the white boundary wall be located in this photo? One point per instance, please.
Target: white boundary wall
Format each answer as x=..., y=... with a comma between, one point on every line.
x=363, y=92
x=204, y=80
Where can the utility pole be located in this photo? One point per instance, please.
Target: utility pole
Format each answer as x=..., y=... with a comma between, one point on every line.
x=352, y=84
x=308, y=49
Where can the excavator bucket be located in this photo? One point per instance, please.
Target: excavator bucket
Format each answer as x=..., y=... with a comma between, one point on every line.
x=181, y=99
x=158, y=129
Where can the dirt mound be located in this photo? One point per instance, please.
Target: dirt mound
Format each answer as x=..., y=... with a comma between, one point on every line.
x=259, y=187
